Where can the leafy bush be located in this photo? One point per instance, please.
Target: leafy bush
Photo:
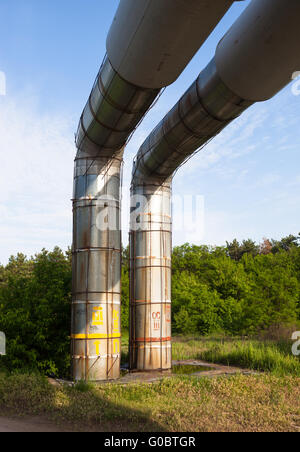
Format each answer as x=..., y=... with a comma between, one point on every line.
x=238, y=289
x=35, y=296
x=214, y=290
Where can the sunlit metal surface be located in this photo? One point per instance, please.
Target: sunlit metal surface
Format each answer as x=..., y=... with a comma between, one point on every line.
x=204, y=110
x=150, y=277
x=112, y=112
x=150, y=42
x=128, y=82
x=96, y=313
x=253, y=61
x=207, y=107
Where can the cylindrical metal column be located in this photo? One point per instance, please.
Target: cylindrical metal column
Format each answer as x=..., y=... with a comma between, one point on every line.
x=202, y=112
x=205, y=109
x=150, y=276
x=112, y=112
x=259, y=54
x=149, y=44
x=246, y=68
x=96, y=347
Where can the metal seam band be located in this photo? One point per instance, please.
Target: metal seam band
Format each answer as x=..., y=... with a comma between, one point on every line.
x=200, y=97
x=151, y=230
x=110, y=101
x=139, y=158
x=83, y=250
x=96, y=302
x=191, y=131
x=115, y=355
x=153, y=301
x=101, y=123
x=153, y=266
x=77, y=200
x=96, y=159
x=150, y=257
x=101, y=146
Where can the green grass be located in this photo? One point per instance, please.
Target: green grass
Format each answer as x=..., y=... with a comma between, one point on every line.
x=265, y=402
x=239, y=403
x=266, y=356
x=125, y=342
x=273, y=356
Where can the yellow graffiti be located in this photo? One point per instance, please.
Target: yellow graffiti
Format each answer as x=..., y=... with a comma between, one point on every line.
x=115, y=321
x=97, y=345
x=97, y=316
x=116, y=344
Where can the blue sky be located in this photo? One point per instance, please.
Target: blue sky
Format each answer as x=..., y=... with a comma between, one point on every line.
x=50, y=53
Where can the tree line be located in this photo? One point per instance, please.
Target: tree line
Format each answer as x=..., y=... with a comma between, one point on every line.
x=238, y=289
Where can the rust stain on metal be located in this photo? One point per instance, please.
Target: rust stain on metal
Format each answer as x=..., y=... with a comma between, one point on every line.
x=96, y=324
x=150, y=337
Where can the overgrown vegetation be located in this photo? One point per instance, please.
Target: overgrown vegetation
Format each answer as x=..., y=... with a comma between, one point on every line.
x=262, y=354
x=240, y=403
x=240, y=289
x=270, y=356
x=35, y=297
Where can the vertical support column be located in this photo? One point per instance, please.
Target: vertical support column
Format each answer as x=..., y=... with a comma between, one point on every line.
x=150, y=277
x=96, y=301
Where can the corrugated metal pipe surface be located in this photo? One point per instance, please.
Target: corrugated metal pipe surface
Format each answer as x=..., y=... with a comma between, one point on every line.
x=203, y=111
x=207, y=107
x=147, y=48
x=96, y=313
x=114, y=109
x=111, y=114
x=150, y=275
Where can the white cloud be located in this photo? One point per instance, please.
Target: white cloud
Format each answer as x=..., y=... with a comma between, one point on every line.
x=232, y=143
x=37, y=154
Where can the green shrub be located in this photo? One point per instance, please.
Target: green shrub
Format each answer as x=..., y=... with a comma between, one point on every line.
x=35, y=298
x=241, y=289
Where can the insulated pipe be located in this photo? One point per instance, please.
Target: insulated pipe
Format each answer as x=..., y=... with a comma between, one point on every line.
x=244, y=70
x=149, y=44
x=150, y=278
x=203, y=111
x=112, y=112
x=96, y=310
x=151, y=41
x=259, y=54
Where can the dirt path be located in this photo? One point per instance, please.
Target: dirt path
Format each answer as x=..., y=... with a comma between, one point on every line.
x=28, y=425
x=34, y=424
